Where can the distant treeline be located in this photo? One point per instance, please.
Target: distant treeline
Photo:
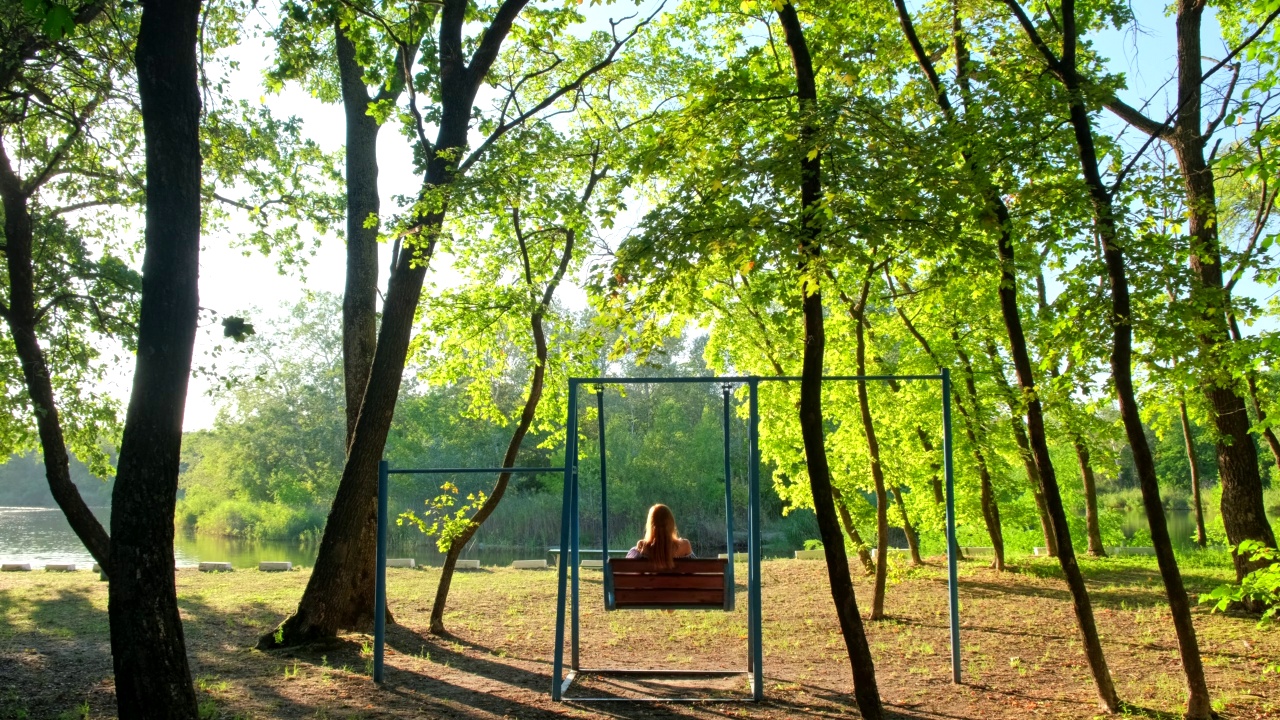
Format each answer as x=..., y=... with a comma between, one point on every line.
x=22, y=483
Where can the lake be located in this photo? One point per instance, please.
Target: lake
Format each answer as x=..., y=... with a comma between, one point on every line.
x=40, y=536
x=1182, y=526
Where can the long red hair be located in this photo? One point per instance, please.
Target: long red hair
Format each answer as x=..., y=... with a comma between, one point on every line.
x=660, y=537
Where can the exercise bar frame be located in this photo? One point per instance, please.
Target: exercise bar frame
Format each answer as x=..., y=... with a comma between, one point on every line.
x=567, y=601
x=380, y=571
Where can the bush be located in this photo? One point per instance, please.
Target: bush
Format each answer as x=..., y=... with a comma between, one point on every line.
x=1260, y=587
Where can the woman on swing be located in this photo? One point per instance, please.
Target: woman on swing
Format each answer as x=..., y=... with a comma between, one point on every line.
x=662, y=542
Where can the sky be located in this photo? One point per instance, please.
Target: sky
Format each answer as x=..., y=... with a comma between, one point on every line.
x=234, y=282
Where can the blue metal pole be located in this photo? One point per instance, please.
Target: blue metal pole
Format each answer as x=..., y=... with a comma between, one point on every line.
x=380, y=573
x=952, y=544
x=570, y=463
x=755, y=611
x=728, y=490
x=604, y=479
x=573, y=540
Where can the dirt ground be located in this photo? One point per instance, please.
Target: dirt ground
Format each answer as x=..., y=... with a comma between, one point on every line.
x=1020, y=651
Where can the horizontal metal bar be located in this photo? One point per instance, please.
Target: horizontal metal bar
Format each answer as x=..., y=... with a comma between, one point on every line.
x=655, y=380
x=846, y=378
x=648, y=699
x=737, y=379
x=682, y=608
x=487, y=471
x=661, y=673
x=589, y=551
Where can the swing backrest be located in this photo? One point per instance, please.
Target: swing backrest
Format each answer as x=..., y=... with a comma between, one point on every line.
x=694, y=584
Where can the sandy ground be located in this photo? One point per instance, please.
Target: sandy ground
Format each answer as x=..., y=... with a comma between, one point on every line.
x=1020, y=650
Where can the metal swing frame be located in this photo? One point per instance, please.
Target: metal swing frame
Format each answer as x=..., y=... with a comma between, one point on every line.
x=568, y=592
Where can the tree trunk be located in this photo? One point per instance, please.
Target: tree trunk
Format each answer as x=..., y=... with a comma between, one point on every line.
x=859, y=545
x=1024, y=446
x=1090, y=497
x=970, y=413
x=22, y=321
x=1243, y=513
x=152, y=678
x=913, y=542
x=990, y=510
x=1189, y=439
x=359, y=298
x=526, y=416
x=1092, y=530
x=1251, y=382
x=1198, y=705
x=338, y=595
x=935, y=482
x=858, y=311
x=866, y=692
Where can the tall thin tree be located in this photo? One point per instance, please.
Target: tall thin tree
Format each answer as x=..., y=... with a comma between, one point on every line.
x=866, y=692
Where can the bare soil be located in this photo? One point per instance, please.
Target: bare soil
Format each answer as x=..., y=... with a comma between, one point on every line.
x=1021, y=656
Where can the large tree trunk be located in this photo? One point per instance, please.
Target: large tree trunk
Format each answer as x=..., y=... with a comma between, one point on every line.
x=338, y=595
x=866, y=692
x=1251, y=382
x=858, y=310
x=1198, y=705
x=855, y=537
x=360, y=296
x=22, y=320
x=1024, y=446
x=152, y=678
x=1194, y=465
x=1243, y=512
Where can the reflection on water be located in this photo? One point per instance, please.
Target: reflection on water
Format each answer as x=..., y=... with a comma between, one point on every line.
x=1182, y=526
x=41, y=536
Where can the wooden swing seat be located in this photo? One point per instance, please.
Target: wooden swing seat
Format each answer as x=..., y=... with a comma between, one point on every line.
x=694, y=584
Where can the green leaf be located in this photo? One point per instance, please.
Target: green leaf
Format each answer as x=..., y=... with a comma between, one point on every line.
x=58, y=21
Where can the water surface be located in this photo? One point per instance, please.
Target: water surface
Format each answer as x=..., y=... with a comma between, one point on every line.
x=42, y=536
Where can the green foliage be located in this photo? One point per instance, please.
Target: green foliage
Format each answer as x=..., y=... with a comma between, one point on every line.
x=1261, y=587
x=446, y=523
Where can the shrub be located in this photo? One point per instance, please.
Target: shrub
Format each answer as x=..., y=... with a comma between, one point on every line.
x=1260, y=587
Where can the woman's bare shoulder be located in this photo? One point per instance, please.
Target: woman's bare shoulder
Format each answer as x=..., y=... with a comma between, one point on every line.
x=683, y=547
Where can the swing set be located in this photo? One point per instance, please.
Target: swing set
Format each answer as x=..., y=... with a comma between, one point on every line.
x=693, y=584
x=696, y=584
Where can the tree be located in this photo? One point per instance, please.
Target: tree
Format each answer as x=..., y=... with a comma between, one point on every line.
x=996, y=216
x=70, y=297
x=1064, y=67
x=1243, y=513
x=808, y=227
x=152, y=678
x=338, y=594
x=537, y=210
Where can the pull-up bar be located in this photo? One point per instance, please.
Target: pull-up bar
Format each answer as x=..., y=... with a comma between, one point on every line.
x=380, y=573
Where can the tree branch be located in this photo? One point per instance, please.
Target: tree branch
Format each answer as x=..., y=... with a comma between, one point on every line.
x=520, y=119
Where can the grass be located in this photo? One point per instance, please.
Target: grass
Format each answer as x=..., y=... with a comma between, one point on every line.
x=1020, y=652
